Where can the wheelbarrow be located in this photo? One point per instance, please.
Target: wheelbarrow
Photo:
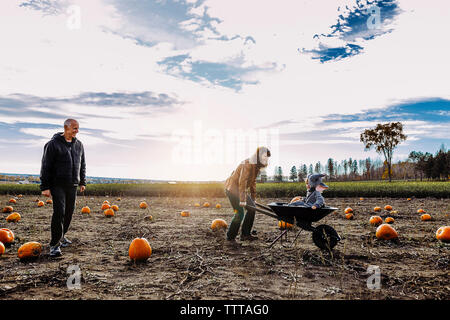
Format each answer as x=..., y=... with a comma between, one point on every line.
x=323, y=236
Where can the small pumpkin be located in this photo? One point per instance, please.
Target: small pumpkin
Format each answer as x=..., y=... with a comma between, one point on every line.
x=218, y=206
x=206, y=205
x=86, y=209
x=377, y=209
x=139, y=250
x=118, y=199
x=219, y=224
x=409, y=199
x=443, y=234
x=185, y=213
x=8, y=209
x=348, y=210
x=389, y=220
x=2, y=248
x=106, y=201
x=29, y=250
x=6, y=235
x=49, y=201
x=375, y=220
x=105, y=206
x=388, y=207
x=40, y=204
x=284, y=225
x=295, y=199
x=386, y=232
x=109, y=212
x=421, y=211
x=361, y=199
x=143, y=205
x=425, y=217
x=12, y=200
x=20, y=196
x=197, y=205
x=349, y=216
x=148, y=218
x=13, y=217
x=115, y=207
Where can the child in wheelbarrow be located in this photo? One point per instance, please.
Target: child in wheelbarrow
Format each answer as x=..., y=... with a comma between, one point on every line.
x=314, y=198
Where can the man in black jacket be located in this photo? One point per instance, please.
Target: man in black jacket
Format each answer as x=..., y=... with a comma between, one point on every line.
x=63, y=169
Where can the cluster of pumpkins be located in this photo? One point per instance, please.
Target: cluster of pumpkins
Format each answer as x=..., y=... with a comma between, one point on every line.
x=386, y=232
x=26, y=251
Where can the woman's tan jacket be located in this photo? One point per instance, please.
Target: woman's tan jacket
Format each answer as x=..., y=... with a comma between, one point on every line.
x=243, y=178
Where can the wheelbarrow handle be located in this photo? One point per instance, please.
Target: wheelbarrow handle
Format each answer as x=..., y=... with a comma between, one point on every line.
x=264, y=211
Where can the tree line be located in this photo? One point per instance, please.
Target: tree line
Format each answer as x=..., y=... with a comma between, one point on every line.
x=417, y=166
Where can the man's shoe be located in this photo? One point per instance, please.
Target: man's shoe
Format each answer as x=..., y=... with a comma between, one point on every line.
x=248, y=238
x=55, y=251
x=66, y=242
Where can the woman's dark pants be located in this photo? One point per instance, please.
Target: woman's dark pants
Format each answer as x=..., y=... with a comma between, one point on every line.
x=63, y=207
x=239, y=215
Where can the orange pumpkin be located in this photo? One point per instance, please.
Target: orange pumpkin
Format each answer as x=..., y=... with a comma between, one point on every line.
x=361, y=199
x=12, y=200
x=118, y=199
x=421, y=211
x=284, y=225
x=297, y=198
x=386, y=232
x=19, y=196
x=8, y=209
x=206, y=205
x=2, y=248
x=109, y=212
x=86, y=209
x=115, y=207
x=377, y=209
x=185, y=213
x=219, y=224
x=218, y=206
x=425, y=217
x=106, y=201
x=29, y=250
x=40, y=204
x=389, y=220
x=443, y=234
x=409, y=199
x=388, y=207
x=13, y=217
x=375, y=220
x=105, y=206
x=348, y=210
x=6, y=235
x=197, y=205
x=49, y=201
x=143, y=205
x=349, y=216
x=139, y=250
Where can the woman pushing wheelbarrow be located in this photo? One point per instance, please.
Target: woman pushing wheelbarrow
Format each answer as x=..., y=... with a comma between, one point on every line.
x=241, y=179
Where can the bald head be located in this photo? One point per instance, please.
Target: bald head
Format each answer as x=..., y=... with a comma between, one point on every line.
x=70, y=129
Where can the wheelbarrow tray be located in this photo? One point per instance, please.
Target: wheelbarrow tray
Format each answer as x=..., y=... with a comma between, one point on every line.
x=301, y=213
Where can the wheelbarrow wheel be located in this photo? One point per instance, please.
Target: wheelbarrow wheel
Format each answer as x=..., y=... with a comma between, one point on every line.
x=325, y=237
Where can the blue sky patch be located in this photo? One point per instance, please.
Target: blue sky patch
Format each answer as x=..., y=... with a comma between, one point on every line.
x=363, y=22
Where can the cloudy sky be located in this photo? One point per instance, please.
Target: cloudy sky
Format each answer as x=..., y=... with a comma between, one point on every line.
x=184, y=89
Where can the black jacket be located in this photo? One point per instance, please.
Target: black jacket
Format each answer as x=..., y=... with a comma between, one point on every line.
x=63, y=163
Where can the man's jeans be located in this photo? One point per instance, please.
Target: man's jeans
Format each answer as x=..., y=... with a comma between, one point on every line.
x=63, y=207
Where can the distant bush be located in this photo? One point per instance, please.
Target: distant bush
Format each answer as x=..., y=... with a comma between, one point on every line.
x=394, y=189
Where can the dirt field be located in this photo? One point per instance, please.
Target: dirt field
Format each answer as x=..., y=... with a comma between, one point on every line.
x=189, y=261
